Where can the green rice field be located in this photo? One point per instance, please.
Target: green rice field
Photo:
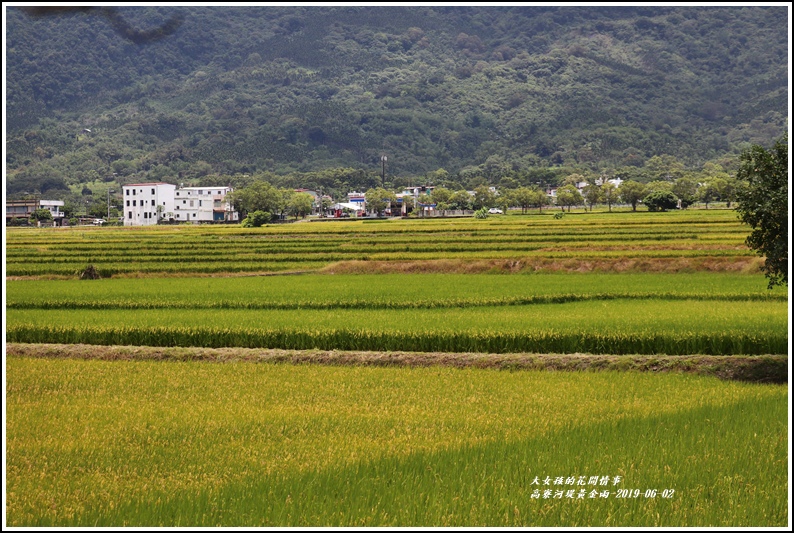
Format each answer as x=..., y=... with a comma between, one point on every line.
x=148, y=443
x=648, y=313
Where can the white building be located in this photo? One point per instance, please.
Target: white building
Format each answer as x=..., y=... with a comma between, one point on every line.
x=204, y=204
x=145, y=203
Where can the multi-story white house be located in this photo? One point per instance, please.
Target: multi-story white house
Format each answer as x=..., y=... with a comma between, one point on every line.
x=204, y=204
x=146, y=203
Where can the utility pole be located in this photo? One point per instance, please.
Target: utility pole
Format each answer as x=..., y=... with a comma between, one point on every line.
x=383, y=170
x=109, y=191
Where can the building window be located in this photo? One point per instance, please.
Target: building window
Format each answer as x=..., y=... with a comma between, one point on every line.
x=133, y=203
x=184, y=202
x=177, y=194
x=152, y=191
x=191, y=203
x=133, y=192
x=199, y=203
x=128, y=203
x=194, y=215
x=129, y=214
x=152, y=202
x=177, y=215
x=128, y=192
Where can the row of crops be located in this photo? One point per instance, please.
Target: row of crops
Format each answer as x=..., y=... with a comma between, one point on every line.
x=715, y=235
x=557, y=313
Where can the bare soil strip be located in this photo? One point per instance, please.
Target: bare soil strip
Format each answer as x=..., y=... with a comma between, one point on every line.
x=469, y=266
x=759, y=369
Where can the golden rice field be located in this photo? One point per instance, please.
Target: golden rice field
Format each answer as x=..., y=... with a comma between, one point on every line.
x=139, y=442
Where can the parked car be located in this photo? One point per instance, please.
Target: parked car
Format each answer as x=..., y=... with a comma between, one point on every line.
x=495, y=211
x=99, y=221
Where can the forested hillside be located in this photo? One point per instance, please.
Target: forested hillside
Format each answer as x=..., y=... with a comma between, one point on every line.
x=485, y=93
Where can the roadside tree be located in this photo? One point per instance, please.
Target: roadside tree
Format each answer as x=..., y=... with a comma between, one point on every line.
x=378, y=199
x=686, y=190
x=460, y=200
x=609, y=193
x=568, y=196
x=300, y=204
x=592, y=194
x=483, y=197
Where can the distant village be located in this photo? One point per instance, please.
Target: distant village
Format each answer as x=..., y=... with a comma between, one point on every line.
x=145, y=204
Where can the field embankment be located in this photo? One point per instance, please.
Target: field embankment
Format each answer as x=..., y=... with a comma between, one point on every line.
x=758, y=369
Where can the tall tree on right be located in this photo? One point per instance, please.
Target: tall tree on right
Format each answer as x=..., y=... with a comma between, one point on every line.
x=763, y=204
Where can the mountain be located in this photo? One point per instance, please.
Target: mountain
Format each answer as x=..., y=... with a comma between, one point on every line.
x=482, y=92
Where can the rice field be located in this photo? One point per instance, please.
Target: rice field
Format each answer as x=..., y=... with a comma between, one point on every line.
x=713, y=237
x=191, y=443
x=96, y=443
x=698, y=313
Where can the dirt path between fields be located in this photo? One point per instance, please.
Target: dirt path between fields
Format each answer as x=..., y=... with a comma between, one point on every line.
x=759, y=369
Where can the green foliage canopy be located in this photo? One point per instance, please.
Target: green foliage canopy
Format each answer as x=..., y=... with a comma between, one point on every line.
x=763, y=204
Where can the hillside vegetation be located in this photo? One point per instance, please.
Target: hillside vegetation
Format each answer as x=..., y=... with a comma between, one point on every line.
x=485, y=93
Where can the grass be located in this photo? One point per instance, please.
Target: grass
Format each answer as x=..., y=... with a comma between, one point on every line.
x=112, y=443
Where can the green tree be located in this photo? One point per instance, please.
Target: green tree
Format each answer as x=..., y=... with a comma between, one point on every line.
x=609, y=193
x=483, y=197
x=660, y=201
x=259, y=196
x=441, y=194
x=568, y=196
x=632, y=192
x=664, y=167
x=41, y=215
x=686, y=190
x=460, y=200
x=592, y=194
x=763, y=204
x=709, y=191
x=378, y=199
x=539, y=199
x=300, y=204
x=521, y=197
x=726, y=188
x=659, y=185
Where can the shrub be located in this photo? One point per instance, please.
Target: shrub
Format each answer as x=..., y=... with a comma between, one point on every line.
x=256, y=219
x=660, y=201
x=481, y=213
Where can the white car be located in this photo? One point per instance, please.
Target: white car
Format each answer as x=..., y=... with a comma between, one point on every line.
x=495, y=211
x=98, y=221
